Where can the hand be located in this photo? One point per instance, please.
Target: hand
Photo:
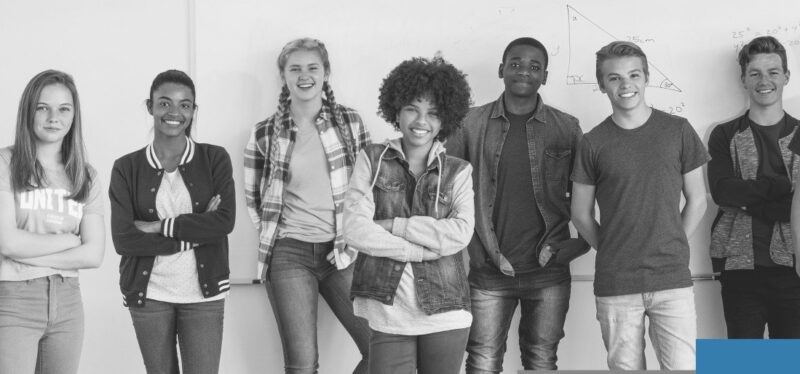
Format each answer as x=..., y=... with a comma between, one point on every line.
x=428, y=255
x=565, y=251
x=75, y=240
x=153, y=227
x=385, y=223
x=331, y=257
x=213, y=204
x=797, y=265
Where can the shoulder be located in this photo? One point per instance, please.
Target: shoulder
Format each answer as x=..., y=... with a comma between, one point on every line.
x=456, y=162
x=563, y=117
x=211, y=150
x=5, y=154
x=131, y=160
x=478, y=116
x=727, y=129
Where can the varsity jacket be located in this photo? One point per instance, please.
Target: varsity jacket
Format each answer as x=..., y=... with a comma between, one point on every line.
x=732, y=181
x=135, y=179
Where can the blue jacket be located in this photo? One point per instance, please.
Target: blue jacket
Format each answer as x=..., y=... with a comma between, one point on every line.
x=441, y=284
x=135, y=178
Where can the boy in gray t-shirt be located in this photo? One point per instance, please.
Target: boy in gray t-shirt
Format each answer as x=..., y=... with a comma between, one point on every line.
x=636, y=164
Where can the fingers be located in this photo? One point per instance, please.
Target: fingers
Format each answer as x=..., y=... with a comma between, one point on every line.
x=213, y=204
x=331, y=257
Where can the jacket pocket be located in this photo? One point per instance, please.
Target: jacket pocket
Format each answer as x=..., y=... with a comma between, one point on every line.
x=557, y=163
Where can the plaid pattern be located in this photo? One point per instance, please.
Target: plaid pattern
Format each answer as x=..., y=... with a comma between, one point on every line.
x=266, y=168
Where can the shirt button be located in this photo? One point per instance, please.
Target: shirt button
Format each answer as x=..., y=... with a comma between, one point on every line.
x=205, y=285
x=153, y=189
x=191, y=184
x=387, y=298
x=144, y=272
x=397, y=267
x=139, y=301
x=150, y=210
x=202, y=266
x=159, y=173
x=141, y=294
x=206, y=293
x=196, y=203
x=746, y=235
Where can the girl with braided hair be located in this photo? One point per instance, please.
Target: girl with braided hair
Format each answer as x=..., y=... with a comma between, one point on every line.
x=297, y=168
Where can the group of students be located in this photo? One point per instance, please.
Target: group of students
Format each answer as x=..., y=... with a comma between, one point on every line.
x=378, y=229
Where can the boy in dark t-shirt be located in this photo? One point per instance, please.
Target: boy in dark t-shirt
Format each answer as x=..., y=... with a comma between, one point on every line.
x=749, y=179
x=636, y=164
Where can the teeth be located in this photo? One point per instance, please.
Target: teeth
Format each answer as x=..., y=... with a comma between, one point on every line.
x=628, y=95
x=173, y=123
x=305, y=85
x=419, y=131
x=764, y=91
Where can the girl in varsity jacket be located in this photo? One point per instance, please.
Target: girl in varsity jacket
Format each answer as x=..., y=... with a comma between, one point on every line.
x=172, y=207
x=409, y=212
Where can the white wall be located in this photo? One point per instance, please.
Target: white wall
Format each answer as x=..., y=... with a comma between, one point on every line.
x=114, y=49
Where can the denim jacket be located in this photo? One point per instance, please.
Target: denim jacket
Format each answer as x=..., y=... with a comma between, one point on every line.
x=731, y=232
x=551, y=149
x=433, y=211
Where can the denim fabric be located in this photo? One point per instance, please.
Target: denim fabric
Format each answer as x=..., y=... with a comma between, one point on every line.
x=437, y=353
x=673, y=328
x=541, y=326
x=41, y=325
x=551, y=148
x=766, y=296
x=298, y=273
x=197, y=327
x=441, y=284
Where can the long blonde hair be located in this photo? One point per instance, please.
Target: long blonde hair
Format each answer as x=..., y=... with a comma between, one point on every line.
x=26, y=171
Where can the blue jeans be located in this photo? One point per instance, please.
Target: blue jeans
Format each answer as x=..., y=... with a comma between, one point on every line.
x=673, y=328
x=541, y=326
x=197, y=326
x=765, y=296
x=437, y=353
x=298, y=273
x=41, y=325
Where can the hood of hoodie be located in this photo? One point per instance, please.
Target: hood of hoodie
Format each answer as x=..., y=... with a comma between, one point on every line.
x=433, y=154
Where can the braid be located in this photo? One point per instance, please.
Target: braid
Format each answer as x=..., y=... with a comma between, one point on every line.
x=345, y=133
x=283, y=101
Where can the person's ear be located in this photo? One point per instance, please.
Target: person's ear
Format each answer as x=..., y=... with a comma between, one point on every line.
x=500, y=71
x=149, y=104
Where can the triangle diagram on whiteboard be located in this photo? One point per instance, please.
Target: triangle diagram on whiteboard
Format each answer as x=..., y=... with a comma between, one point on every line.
x=585, y=36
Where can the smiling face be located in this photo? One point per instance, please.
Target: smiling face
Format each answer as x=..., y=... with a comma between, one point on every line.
x=172, y=107
x=524, y=71
x=764, y=79
x=55, y=111
x=304, y=75
x=419, y=123
x=624, y=81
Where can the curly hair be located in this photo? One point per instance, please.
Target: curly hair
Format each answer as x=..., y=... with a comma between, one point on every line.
x=435, y=79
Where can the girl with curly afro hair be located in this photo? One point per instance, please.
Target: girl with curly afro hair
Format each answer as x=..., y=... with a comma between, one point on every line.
x=409, y=211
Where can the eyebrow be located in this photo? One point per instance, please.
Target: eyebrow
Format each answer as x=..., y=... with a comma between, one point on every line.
x=62, y=104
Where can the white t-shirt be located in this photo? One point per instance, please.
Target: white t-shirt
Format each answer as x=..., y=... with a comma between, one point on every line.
x=46, y=210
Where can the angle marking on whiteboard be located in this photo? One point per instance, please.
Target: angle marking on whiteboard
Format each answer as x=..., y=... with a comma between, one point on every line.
x=589, y=30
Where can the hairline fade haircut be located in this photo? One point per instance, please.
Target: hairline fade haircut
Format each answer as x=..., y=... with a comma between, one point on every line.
x=27, y=172
x=177, y=77
x=617, y=49
x=529, y=42
x=762, y=45
x=434, y=79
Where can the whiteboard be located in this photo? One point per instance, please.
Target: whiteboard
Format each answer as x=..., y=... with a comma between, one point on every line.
x=691, y=47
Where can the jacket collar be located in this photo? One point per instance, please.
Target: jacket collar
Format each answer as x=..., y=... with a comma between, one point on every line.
x=744, y=121
x=152, y=159
x=499, y=109
x=397, y=146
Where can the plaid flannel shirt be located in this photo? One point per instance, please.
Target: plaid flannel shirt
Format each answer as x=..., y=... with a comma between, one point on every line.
x=266, y=170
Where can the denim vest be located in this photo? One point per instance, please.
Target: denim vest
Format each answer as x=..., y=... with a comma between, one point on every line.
x=441, y=284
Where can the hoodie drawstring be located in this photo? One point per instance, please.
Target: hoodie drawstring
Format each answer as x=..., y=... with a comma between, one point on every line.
x=378, y=169
x=438, y=186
